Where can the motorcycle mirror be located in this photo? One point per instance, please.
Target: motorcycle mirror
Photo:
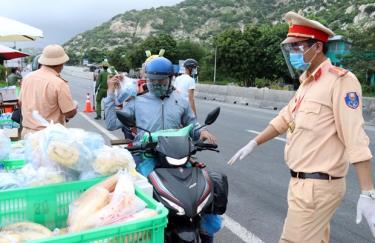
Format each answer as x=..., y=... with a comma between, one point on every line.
x=125, y=119
x=212, y=116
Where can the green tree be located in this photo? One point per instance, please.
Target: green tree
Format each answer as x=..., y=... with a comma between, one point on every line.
x=271, y=60
x=361, y=60
x=239, y=54
x=117, y=58
x=153, y=43
x=189, y=49
x=233, y=56
x=96, y=55
x=252, y=54
x=74, y=59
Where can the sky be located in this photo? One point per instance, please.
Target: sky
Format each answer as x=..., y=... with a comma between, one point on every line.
x=60, y=20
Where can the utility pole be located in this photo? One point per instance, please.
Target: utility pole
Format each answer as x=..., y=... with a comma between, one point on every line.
x=215, y=65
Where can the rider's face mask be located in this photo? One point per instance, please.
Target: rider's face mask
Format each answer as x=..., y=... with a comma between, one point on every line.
x=158, y=87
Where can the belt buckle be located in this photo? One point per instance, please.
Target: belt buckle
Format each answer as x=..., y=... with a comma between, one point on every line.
x=300, y=175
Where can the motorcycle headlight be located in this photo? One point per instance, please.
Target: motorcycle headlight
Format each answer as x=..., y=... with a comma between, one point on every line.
x=176, y=162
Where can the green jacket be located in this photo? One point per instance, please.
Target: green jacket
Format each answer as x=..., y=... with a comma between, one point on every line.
x=101, y=82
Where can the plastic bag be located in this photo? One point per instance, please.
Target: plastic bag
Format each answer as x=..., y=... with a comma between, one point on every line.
x=89, y=202
x=7, y=122
x=5, y=145
x=110, y=160
x=143, y=214
x=56, y=145
x=123, y=203
x=17, y=151
x=9, y=180
x=211, y=223
x=35, y=151
x=34, y=145
x=128, y=88
x=98, y=206
x=63, y=148
x=93, y=141
x=89, y=175
x=40, y=176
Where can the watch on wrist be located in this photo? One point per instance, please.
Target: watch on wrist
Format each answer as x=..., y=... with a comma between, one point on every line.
x=370, y=194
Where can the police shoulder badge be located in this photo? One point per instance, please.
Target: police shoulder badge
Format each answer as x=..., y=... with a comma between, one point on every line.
x=352, y=100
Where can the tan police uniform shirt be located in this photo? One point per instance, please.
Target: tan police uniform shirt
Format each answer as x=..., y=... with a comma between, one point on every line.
x=45, y=91
x=329, y=126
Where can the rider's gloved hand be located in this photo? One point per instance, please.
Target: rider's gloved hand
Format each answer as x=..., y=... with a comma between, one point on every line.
x=243, y=152
x=366, y=207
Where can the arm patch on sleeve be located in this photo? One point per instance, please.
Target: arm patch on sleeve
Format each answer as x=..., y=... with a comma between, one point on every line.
x=352, y=100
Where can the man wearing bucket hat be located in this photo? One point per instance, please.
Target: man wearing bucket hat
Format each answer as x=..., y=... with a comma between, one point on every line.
x=324, y=127
x=101, y=88
x=46, y=92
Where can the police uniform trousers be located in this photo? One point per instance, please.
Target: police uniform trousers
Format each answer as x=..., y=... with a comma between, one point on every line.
x=311, y=205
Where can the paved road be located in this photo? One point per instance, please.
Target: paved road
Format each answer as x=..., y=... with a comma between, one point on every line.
x=258, y=185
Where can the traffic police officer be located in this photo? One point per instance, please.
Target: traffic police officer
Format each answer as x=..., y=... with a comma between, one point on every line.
x=324, y=127
x=45, y=91
x=101, y=88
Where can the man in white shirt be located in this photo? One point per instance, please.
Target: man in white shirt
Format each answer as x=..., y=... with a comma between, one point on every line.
x=185, y=84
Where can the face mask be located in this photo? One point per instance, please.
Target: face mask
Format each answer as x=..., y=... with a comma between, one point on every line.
x=297, y=61
x=159, y=90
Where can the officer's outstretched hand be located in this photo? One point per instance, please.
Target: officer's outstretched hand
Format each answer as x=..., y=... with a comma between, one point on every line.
x=366, y=207
x=243, y=152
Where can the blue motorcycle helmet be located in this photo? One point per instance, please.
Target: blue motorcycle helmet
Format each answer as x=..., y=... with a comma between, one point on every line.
x=159, y=73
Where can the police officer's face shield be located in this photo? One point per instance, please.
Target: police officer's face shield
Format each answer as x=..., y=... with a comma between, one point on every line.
x=159, y=85
x=295, y=54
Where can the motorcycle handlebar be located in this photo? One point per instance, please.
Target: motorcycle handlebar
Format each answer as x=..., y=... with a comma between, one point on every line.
x=206, y=146
x=150, y=146
x=135, y=148
x=141, y=147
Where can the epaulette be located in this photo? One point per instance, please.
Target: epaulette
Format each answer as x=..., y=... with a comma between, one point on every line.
x=338, y=71
x=62, y=78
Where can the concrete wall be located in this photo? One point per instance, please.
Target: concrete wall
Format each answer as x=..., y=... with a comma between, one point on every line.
x=264, y=98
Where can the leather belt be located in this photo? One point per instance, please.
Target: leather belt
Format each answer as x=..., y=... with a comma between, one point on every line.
x=315, y=175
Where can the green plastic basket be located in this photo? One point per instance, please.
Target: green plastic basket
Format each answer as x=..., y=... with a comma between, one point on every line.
x=6, y=121
x=13, y=164
x=49, y=206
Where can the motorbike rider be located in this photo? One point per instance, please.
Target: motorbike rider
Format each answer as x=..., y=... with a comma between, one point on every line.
x=160, y=108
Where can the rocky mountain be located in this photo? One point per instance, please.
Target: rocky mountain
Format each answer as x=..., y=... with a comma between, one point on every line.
x=200, y=20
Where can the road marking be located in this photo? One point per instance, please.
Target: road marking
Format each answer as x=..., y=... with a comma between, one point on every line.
x=229, y=223
x=277, y=138
x=98, y=126
x=240, y=231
